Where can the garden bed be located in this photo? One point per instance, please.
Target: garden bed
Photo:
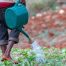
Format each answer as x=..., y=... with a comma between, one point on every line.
x=53, y=57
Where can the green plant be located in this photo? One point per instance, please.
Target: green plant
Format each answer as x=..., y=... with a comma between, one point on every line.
x=54, y=57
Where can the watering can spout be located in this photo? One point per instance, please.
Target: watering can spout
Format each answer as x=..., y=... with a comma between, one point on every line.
x=25, y=33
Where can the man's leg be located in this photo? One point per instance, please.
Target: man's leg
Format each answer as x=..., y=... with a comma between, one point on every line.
x=3, y=37
x=3, y=48
x=13, y=38
x=8, y=50
x=6, y=55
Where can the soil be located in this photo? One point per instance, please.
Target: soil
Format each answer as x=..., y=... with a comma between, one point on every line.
x=46, y=27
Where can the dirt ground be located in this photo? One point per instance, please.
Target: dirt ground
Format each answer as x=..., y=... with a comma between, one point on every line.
x=48, y=28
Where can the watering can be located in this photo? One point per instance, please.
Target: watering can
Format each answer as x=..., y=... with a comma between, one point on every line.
x=17, y=16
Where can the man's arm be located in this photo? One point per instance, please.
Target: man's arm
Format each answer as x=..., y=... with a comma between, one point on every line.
x=23, y=1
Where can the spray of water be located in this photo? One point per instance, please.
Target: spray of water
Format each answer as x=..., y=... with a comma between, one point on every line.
x=40, y=57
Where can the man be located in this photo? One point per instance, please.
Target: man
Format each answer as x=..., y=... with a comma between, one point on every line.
x=7, y=40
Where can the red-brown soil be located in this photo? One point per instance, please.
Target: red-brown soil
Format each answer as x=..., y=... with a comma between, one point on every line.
x=42, y=22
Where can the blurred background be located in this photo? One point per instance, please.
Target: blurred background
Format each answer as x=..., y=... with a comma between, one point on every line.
x=47, y=23
x=35, y=6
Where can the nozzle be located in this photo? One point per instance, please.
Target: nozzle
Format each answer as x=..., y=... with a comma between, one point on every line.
x=25, y=33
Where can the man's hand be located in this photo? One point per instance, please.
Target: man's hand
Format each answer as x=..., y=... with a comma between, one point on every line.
x=23, y=1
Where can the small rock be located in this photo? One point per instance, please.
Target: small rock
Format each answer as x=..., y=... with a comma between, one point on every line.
x=61, y=11
x=38, y=15
x=33, y=17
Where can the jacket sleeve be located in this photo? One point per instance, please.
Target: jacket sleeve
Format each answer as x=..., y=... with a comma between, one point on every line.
x=23, y=1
